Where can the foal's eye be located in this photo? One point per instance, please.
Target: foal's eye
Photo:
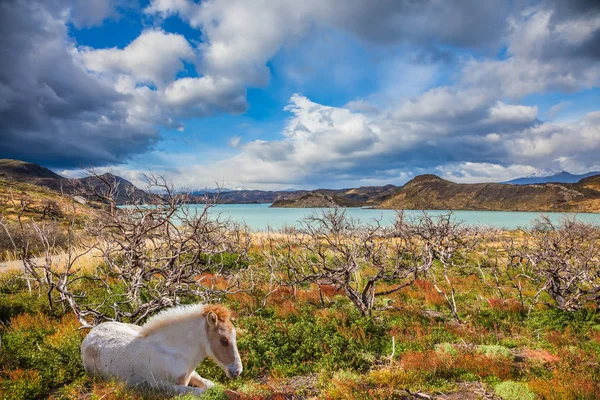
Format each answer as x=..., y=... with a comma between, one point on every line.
x=225, y=341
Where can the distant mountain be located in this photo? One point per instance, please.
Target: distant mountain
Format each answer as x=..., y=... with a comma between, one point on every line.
x=422, y=192
x=547, y=176
x=202, y=192
x=126, y=191
x=243, y=196
x=434, y=193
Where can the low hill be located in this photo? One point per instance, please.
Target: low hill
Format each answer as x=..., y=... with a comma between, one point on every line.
x=356, y=197
x=38, y=202
x=307, y=200
x=433, y=192
x=592, y=182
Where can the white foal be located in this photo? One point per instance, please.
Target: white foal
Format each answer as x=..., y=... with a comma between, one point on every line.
x=164, y=352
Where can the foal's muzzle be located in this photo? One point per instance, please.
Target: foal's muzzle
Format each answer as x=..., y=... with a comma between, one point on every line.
x=234, y=370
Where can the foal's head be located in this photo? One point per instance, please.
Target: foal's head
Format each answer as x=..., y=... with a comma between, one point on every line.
x=222, y=346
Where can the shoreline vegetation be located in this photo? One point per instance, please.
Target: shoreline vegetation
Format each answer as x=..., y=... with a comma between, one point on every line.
x=332, y=309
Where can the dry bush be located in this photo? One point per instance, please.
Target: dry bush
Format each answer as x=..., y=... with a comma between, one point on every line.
x=446, y=243
x=332, y=249
x=561, y=260
x=158, y=254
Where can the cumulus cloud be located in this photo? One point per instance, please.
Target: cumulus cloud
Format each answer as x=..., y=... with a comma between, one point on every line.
x=85, y=13
x=64, y=105
x=332, y=144
x=67, y=106
x=470, y=172
x=502, y=113
x=51, y=109
x=548, y=50
x=154, y=57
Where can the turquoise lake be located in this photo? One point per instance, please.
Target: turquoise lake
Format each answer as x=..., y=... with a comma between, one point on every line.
x=260, y=217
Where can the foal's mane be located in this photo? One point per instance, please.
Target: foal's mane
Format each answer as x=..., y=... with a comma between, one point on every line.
x=184, y=313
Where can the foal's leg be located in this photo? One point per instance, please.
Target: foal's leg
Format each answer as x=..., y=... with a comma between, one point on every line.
x=199, y=382
x=179, y=389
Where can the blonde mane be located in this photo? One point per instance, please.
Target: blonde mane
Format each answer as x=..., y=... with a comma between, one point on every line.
x=180, y=314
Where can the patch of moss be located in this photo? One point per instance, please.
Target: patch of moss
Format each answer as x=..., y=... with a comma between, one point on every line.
x=510, y=390
x=447, y=348
x=494, y=350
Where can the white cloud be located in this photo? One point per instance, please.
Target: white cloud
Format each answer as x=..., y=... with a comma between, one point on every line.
x=154, y=57
x=234, y=141
x=115, y=99
x=543, y=55
x=469, y=172
x=240, y=36
x=85, y=13
x=510, y=113
x=333, y=144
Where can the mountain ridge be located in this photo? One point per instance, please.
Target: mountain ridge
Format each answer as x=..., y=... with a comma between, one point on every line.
x=426, y=191
x=433, y=192
x=34, y=174
x=557, y=177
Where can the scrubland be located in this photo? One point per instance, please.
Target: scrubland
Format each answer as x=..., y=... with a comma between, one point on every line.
x=332, y=310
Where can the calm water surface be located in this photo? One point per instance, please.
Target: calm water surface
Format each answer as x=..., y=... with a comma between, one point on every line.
x=259, y=216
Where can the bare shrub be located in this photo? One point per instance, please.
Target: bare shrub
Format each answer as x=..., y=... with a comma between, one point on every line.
x=159, y=254
x=444, y=241
x=17, y=239
x=361, y=260
x=561, y=260
x=51, y=210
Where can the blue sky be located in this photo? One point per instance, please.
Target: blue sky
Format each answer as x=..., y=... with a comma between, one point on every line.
x=258, y=94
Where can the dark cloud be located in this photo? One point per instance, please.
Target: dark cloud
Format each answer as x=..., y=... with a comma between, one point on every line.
x=52, y=111
x=574, y=8
x=469, y=23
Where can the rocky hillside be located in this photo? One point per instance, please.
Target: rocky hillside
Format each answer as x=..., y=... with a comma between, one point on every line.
x=357, y=197
x=38, y=202
x=33, y=174
x=433, y=192
x=126, y=193
x=308, y=200
x=21, y=171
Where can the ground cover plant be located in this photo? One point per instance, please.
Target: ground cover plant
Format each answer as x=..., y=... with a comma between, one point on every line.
x=333, y=310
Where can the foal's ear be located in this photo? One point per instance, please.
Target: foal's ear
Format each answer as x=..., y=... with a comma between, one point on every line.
x=212, y=318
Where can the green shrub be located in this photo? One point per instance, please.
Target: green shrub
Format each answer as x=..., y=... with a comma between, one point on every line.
x=510, y=390
x=558, y=320
x=301, y=343
x=48, y=348
x=22, y=384
x=446, y=348
x=494, y=350
x=216, y=393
